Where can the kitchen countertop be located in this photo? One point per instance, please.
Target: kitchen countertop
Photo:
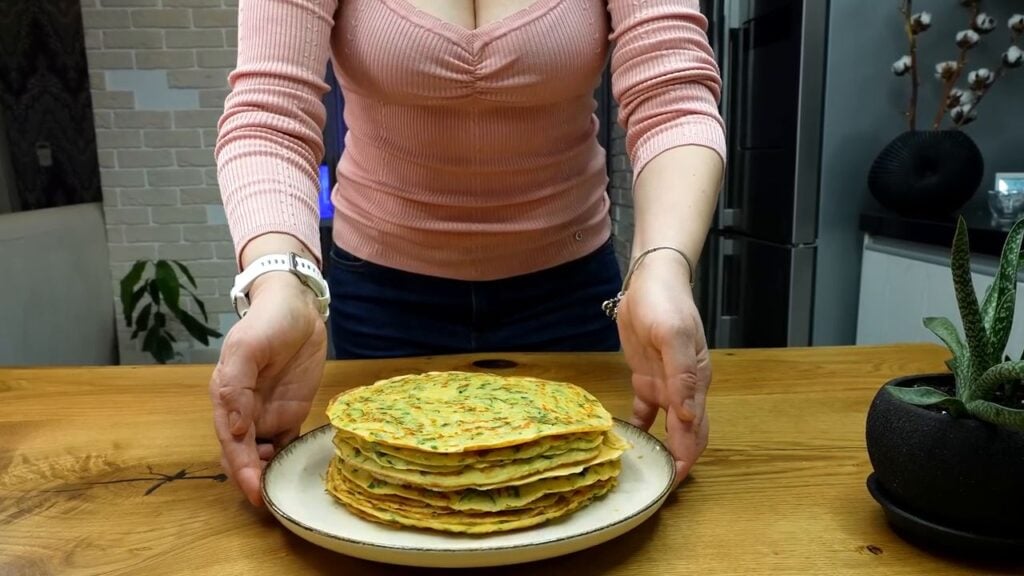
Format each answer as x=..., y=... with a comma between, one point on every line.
x=986, y=234
x=115, y=471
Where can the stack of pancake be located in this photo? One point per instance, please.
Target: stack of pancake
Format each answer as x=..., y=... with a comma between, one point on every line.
x=470, y=452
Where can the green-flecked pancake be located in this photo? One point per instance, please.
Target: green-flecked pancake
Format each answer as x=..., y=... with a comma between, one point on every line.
x=395, y=514
x=451, y=412
x=408, y=458
x=560, y=454
x=495, y=500
x=516, y=473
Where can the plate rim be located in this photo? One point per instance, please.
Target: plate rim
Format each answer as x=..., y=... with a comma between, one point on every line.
x=281, y=514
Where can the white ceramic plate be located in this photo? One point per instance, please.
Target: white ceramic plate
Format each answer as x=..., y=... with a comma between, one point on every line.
x=293, y=488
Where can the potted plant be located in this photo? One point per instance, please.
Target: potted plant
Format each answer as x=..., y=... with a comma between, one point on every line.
x=163, y=288
x=948, y=448
x=935, y=171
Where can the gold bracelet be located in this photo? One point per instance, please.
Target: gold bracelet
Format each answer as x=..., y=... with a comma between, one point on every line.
x=611, y=307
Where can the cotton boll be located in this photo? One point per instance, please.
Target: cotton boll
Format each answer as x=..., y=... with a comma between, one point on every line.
x=901, y=66
x=967, y=39
x=1013, y=57
x=980, y=78
x=956, y=98
x=962, y=115
x=1016, y=23
x=984, y=23
x=920, y=22
x=946, y=70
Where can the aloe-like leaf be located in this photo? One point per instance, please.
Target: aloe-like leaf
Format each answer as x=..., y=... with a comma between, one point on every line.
x=947, y=332
x=1005, y=281
x=128, y=287
x=996, y=414
x=999, y=330
x=928, y=396
x=188, y=274
x=950, y=336
x=990, y=381
x=167, y=281
x=967, y=301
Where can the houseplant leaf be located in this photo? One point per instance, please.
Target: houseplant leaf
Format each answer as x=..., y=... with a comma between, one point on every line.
x=149, y=342
x=128, y=287
x=928, y=396
x=142, y=322
x=186, y=272
x=1005, y=281
x=195, y=328
x=997, y=414
x=970, y=311
x=132, y=302
x=949, y=335
x=997, y=309
x=988, y=382
x=154, y=292
x=199, y=304
x=167, y=281
x=163, y=351
x=999, y=330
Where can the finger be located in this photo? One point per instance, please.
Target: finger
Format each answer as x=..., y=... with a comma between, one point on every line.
x=231, y=391
x=682, y=439
x=644, y=413
x=285, y=438
x=645, y=407
x=266, y=451
x=679, y=357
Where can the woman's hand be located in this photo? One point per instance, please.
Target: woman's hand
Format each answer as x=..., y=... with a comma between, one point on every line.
x=663, y=341
x=263, y=386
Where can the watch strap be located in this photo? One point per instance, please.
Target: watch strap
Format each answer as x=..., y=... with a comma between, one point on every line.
x=306, y=271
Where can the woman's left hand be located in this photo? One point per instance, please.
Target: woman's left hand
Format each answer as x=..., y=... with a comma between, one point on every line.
x=663, y=341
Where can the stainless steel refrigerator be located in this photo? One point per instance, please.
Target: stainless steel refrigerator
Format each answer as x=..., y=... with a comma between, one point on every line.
x=757, y=273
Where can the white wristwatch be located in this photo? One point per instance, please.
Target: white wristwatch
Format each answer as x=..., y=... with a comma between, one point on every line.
x=306, y=271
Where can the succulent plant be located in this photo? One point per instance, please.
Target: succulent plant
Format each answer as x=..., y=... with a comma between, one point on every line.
x=982, y=371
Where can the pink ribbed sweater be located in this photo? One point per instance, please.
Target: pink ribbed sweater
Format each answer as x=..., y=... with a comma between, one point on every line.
x=470, y=154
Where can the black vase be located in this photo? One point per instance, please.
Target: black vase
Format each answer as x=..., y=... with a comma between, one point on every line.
x=927, y=172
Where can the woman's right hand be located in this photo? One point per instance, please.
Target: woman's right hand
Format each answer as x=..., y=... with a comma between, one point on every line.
x=269, y=370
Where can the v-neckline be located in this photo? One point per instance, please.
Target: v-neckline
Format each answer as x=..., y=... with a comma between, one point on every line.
x=475, y=37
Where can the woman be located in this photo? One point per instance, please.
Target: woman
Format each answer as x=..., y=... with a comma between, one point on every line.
x=471, y=211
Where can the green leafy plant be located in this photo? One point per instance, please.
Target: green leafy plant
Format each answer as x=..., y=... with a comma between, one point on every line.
x=163, y=288
x=983, y=373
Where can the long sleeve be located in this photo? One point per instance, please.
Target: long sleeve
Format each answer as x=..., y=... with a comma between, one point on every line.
x=270, y=136
x=664, y=77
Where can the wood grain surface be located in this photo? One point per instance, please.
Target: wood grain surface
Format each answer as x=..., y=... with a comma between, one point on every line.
x=115, y=471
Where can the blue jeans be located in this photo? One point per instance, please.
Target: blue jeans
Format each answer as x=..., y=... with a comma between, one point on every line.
x=381, y=312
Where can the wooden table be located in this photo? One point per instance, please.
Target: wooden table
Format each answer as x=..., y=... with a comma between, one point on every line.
x=115, y=471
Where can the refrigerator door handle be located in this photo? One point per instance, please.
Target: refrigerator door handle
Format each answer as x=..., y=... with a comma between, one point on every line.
x=726, y=320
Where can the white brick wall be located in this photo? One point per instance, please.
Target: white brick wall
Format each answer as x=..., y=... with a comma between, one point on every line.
x=158, y=71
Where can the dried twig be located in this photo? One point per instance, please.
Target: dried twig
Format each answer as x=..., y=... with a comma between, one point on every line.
x=961, y=64
x=908, y=9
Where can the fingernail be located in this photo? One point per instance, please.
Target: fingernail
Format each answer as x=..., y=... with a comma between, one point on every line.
x=233, y=419
x=689, y=410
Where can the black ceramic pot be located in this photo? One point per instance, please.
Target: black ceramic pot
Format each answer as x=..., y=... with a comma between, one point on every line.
x=959, y=473
x=927, y=172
